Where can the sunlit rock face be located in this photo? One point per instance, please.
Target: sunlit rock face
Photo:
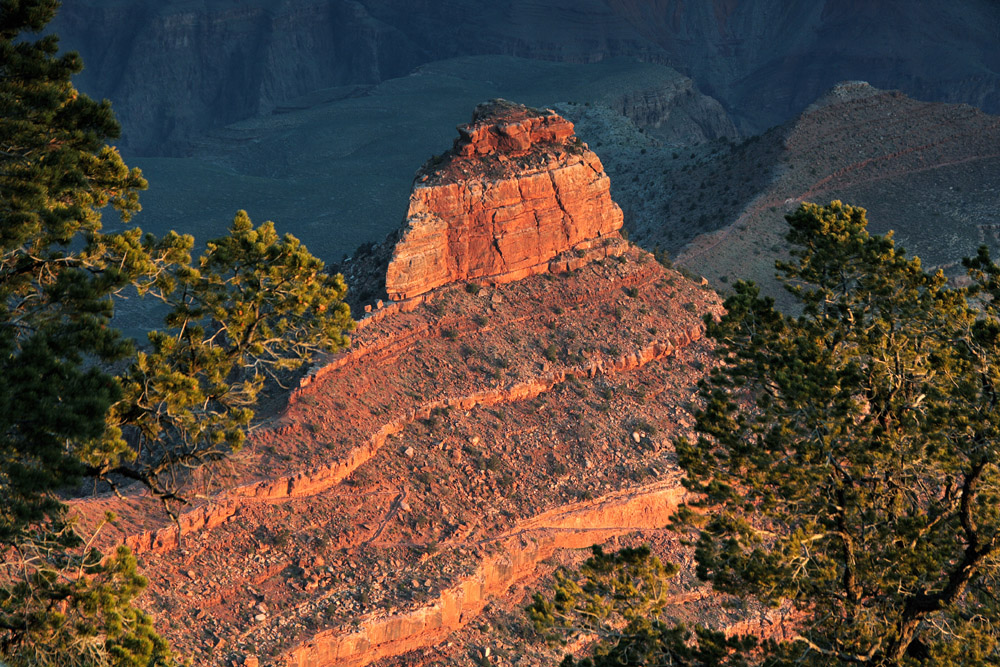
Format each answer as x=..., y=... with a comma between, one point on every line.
x=517, y=191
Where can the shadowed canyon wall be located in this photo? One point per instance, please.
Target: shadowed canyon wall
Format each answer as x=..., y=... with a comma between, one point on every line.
x=174, y=68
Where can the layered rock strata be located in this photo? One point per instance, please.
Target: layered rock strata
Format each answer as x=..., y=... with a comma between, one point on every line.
x=448, y=432
x=174, y=67
x=517, y=192
x=576, y=526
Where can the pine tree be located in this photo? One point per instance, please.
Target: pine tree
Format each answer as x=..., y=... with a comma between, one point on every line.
x=254, y=304
x=621, y=598
x=850, y=451
x=55, y=279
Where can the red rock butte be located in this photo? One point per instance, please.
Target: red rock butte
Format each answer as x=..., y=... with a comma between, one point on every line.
x=519, y=194
x=407, y=498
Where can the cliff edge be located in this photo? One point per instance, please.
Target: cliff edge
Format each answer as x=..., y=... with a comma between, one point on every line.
x=518, y=194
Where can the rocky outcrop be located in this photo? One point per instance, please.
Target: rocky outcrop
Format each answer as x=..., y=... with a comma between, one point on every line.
x=576, y=526
x=516, y=192
x=386, y=505
x=316, y=480
x=673, y=110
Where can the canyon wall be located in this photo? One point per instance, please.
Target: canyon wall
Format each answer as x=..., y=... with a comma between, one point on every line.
x=517, y=191
x=173, y=68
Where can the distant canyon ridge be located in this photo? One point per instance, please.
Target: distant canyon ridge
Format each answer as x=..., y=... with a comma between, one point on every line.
x=174, y=69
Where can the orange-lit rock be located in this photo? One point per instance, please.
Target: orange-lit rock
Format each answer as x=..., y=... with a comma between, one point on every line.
x=517, y=191
x=449, y=410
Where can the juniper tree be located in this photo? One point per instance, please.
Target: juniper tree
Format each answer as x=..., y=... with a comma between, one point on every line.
x=850, y=451
x=254, y=303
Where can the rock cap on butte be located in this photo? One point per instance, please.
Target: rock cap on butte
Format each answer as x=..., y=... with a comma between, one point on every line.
x=517, y=191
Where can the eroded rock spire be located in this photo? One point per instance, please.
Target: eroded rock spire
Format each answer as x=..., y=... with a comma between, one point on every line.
x=516, y=194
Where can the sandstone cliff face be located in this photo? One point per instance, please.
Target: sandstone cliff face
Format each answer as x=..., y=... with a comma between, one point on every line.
x=516, y=192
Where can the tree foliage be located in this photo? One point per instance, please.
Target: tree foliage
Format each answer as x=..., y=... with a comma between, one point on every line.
x=620, y=599
x=851, y=451
x=74, y=607
x=55, y=274
x=254, y=304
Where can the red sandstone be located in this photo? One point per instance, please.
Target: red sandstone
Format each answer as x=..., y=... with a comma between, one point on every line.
x=409, y=367
x=517, y=191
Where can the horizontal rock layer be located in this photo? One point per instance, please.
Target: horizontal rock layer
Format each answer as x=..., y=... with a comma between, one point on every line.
x=501, y=127
x=573, y=527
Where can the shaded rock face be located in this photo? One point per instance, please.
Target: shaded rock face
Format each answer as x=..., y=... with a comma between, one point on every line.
x=675, y=112
x=928, y=171
x=517, y=191
x=174, y=68
x=766, y=60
